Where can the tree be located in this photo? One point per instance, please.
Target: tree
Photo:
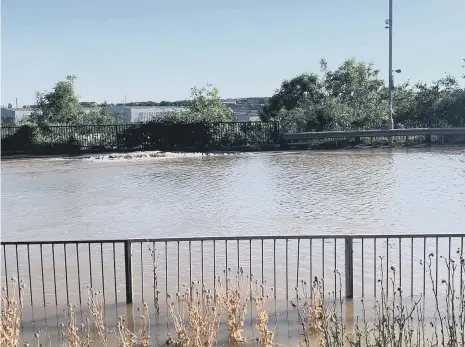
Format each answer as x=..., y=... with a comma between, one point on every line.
x=352, y=96
x=205, y=105
x=291, y=93
x=60, y=106
x=358, y=86
x=10, y=105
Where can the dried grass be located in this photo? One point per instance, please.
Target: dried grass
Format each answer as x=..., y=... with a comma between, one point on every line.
x=198, y=312
x=266, y=336
x=11, y=316
x=196, y=316
x=235, y=299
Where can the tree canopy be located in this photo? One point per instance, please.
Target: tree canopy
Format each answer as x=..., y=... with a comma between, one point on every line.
x=62, y=106
x=355, y=97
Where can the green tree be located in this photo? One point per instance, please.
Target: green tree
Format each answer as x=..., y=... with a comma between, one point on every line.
x=60, y=106
x=358, y=86
x=291, y=94
x=205, y=105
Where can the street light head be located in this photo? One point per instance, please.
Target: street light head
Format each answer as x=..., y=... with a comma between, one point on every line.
x=387, y=21
x=398, y=71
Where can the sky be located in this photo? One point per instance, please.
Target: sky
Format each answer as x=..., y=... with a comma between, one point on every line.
x=157, y=50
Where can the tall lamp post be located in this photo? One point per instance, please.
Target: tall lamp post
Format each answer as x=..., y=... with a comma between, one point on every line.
x=389, y=26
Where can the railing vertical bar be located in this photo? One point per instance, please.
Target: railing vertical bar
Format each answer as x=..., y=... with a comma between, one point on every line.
x=238, y=257
x=66, y=272
x=263, y=280
x=374, y=267
x=274, y=268
x=411, y=267
x=437, y=262
x=349, y=267
x=155, y=278
x=42, y=272
x=287, y=270
x=250, y=263
x=6, y=271
x=214, y=265
x=90, y=267
x=78, y=275
x=363, y=269
x=448, y=272
x=114, y=276
x=201, y=251
x=298, y=260
x=400, y=263
x=142, y=271
x=387, y=267
x=226, y=261
x=103, y=275
x=128, y=271
x=461, y=268
x=335, y=267
x=323, y=258
x=54, y=275
x=166, y=270
x=30, y=278
x=178, y=268
x=311, y=267
x=424, y=269
x=190, y=263
x=17, y=272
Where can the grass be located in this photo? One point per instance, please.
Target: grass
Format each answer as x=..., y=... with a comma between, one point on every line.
x=199, y=313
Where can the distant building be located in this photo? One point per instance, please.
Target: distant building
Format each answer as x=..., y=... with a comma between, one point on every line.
x=246, y=113
x=16, y=114
x=132, y=114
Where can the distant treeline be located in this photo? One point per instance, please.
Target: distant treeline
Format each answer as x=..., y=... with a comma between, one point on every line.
x=179, y=103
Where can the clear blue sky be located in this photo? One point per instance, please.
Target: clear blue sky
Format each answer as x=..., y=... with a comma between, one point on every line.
x=157, y=50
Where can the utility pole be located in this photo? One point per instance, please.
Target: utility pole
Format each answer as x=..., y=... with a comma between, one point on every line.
x=390, y=124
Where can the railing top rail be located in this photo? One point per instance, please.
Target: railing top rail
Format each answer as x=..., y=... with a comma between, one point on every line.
x=142, y=123
x=238, y=238
x=375, y=133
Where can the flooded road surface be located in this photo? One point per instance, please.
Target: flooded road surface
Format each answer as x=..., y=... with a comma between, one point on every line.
x=402, y=191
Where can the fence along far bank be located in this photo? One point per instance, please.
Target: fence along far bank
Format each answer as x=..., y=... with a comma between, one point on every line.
x=59, y=139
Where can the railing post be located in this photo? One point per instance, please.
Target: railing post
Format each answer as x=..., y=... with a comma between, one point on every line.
x=128, y=270
x=349, y=267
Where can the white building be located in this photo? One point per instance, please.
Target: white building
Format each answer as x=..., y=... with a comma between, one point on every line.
x=17, y=114
x=131, y=114
x=246, y=113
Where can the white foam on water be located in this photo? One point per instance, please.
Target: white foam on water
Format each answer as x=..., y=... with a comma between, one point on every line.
x=148, y=155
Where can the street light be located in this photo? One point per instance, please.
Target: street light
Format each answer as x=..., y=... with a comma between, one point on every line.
x=388, y=23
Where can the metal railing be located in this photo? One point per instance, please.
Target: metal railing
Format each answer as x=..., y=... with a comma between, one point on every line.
x=143, y=136
x=139, y=270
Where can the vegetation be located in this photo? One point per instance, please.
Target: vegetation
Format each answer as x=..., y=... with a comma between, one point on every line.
x=355, y=97
x=197, y=315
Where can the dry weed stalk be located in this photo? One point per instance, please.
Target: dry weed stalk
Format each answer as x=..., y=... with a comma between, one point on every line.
x=74, y=339
x=97, y=311
x=235, y=300
x=11, y=316
x=124, y=335
x=311, y=312
x=144, y=331
x=196, y=316
x=266, y=338
x=156, y=292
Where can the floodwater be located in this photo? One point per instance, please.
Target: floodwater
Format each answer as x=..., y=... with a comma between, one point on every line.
x=151, y=195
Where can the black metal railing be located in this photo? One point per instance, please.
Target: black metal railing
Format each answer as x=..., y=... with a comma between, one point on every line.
x=136, y=270
x=139, y=136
